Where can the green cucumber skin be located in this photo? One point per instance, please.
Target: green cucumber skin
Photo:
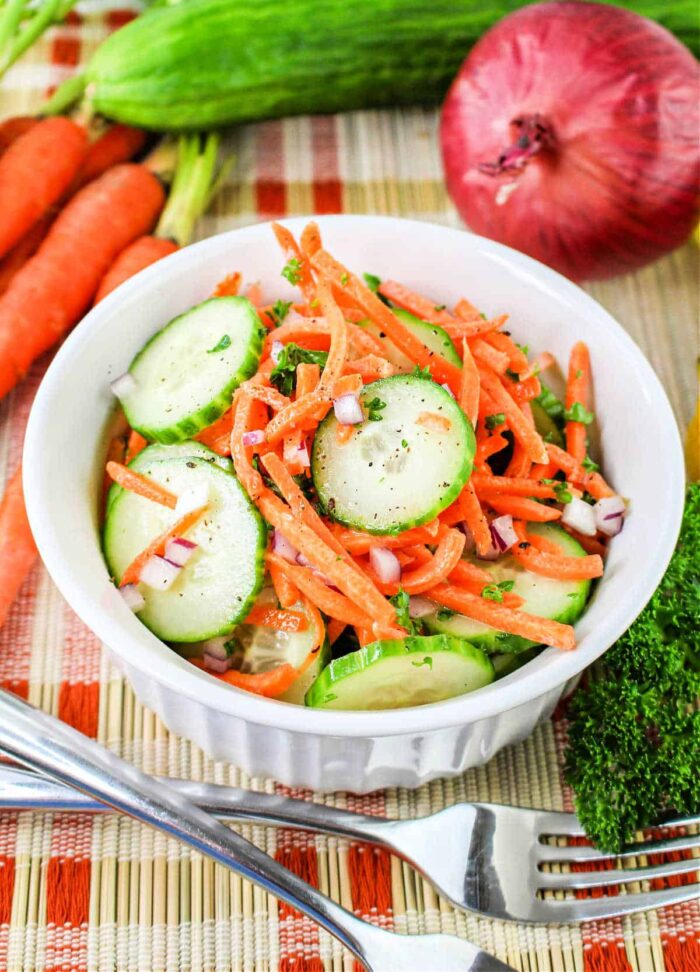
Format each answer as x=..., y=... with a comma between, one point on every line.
x=204, y=63
x=441, y=342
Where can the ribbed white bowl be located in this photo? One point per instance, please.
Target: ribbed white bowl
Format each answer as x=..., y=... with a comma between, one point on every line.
x=359, y=751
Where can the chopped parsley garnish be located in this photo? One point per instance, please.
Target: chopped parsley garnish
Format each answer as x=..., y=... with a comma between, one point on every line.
x=577, y=413
x=422, y=372
x=579, y=373
x=440, y=307
x=223, y=343
x=494, y=592
x=562, y=492
x=589, y=465
x=444, y=614
x=279, y=311
x=493, y=421
x=426, y=661
x=292, y=271
x=374, y=408
x=525, y=348
x=284, y=375
x=344, y=279
x=401, y=602
x=404, y=444
x=513, y=375
x=372, y=281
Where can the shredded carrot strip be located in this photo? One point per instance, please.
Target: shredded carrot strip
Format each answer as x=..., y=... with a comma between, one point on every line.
x=592, y=482
x=423, y=307
x=487, y=447
x=344, y=433
x=156, y=548
x=371, y=367
x=557, y=566
x=292, y=252
x=543, y=544
x=578, y=393
x=141, y=485
x=350, y=384
x=520, y=463
x=486, y=355
x=465, y=572
x=592, y=545
x=221, y=429
x=287, y=593
x=517, y=422
x=487, y=486
x=310, y=332
x=473, y=515
x=261, y=392
x=465, y=310
x=446, y=557
x=364, y=636
x=269, y=684
x=249, y=478
x=363, y=341
x=469, y=387
x=357, y=542
x=266, y=617
x=339, y=341
x=229, y=286
x=334, y=630
x=473, y=328
x=310, y=241
x=525, y=509
x=310, y=408
x=506, y=345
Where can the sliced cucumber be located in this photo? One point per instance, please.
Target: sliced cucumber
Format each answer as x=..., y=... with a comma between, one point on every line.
x=505, y=664
x=545, y=425
x=396, y=674
x=545, y=597
x=433, y=337
x=217, y=586
x=186, y=374
x=395, y=472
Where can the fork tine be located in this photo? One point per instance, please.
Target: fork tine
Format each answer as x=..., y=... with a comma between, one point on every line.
x=591, y=909
x=555, y=824
x=564, y=855
x=598, y=879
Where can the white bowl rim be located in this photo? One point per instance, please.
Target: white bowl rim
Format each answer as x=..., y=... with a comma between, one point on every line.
x=521, y=687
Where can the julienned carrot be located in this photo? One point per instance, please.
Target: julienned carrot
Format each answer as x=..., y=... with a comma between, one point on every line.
x=310, y=408
x=218, y=435
x=17, y=548
x=489, y=356
x=525, y=509
x=486, y=485
x=140, y=254
x=371, y=367
x=466, y=311
x=334, y=629
x=539, y=630
x=135, y=482
x=540, y=543
x=592, y=482
x=269, y=684
x=244, y=417
x=446, y=557
x=443, y=371
x=464, y=572
x=506, y=345
x=486, y=447
x=293, y=252
x=53, y=289
x=132, y=574
x=308, y=376
x=473, y=328
x=348, y=384
x=592, y=545
x=229, y=287
x=469, y=386
x=310, y=241
x=35, y=171
x=520, y=463
x=557, y=566
x=135, y=444
x=423, y=307
x=358, y=543
x=517, y=422
x=473, y=515
x=287, y=593
x=578, y=393
x=285, y=620
x=118, y=144
x=338, y=351
x=265, y=393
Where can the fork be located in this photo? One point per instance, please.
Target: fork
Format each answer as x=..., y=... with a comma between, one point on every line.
x=484, y=857
x=44, y=743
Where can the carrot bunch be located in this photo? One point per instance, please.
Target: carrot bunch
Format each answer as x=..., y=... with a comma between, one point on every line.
x=494, y=387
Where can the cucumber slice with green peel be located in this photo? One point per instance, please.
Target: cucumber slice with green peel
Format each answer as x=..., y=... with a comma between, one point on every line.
x=505, y=664
x=186, y=375
x=217, y=586
x=403, y=465
x=433, y=337
x=397, y=674
x=545, y=425
x=544, y=597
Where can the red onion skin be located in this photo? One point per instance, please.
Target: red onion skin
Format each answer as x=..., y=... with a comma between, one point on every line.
x=618, y=93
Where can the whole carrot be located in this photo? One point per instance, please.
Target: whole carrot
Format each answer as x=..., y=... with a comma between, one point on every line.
x=139, y=255
x=17, y=547
x=35, y=172
x=53, y=289
x=12, y=128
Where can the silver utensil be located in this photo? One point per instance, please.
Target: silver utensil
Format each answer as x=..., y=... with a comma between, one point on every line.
x=485, y=858
x=43, y=743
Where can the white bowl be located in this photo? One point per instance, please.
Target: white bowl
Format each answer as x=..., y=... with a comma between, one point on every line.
x=359, y=751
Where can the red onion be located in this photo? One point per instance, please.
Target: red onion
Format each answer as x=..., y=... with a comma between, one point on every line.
x=298, y=454
x=493, y=554
x=580, y=517
x=503, y=533
x=609, y=514
x=192, y=498
x=571, y=133
x=178, y=551
x=159, y=573
x=276, y=350
x=133, y=598
x=419, y=606
x=385, y=565
x=283, y=548
x=214, y=664
x=348, y=410
x=256, y=437
x=123, y=385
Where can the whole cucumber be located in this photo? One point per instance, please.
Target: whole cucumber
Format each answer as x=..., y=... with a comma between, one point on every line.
x=195, y=64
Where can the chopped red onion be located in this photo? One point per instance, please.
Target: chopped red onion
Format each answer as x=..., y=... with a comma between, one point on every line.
x=192, y=498
x=253, y=438
x=124, y=385
x=580, y=517
x=385, y=565
x=419, y=606
x=215, y=664
x=159, y=573
x=178, y=551
x=276, y=350
x=609, y=515
x=303, y=560
x=283, y=548
x=348, y=410
x=470, y=545
x=447, y=389
x=503, y=533
x=302, y=456
x=493, y=554
x=216, y=647
x=133, y=598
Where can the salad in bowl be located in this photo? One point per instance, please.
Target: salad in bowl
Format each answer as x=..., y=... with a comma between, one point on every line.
x=357, y=499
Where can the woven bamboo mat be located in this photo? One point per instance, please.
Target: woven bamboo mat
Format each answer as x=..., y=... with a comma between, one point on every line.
x=108, y=894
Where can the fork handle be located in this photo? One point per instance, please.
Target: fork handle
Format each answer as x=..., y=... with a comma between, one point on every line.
x=43, y=743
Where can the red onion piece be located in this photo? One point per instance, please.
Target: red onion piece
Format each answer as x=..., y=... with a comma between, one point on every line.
x=192, y=498
x=159, y=573
x=493, y=554
x=470, y=545
x=419, y=606
x=570, y=133
x=503, y=533
x=178, y=551
x=253, y=438
x=385, y=565
x=132, y=597
x=124, y=385
x=302, y=456
x=215, y=664
x=276, y=350
x=283, y=548
x=579, y=516
x=348, y=410
x=609, y=515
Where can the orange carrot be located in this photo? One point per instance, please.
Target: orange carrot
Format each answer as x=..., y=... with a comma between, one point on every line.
x=350, y=384
x=141, y=485
x=486, y=355
x=371, y=367
x=359, y=543
x=17, y=548
x=266, y=617
x=469, y=387
x=140, y=254
x=264, y=393
x=310, y=241
x=486, y=447
x=517, y=422
x=427, y=310
x=520, y=463
x=344, y=433
x=539, y=630
x=308, y=376
x=542, y=543
x=269, y=684
x=12, y=128
x=244, y=416
x=473, y=515
x=486, y=485
x=558, y=566
x=466, y=311
x=465, y=572
x=338, y=351
x=292, y=252
x=506, y=345
x=287, y=593
x=35, y=171
x=118, y=144
x=578, y=393
x=229, y=286
x=446, y=557
x=525, y=509
x=334, y=629
x=593, y=482
x=135, y=444
x=218, y=435
x=310, y=408
x=473, y=328
x=53, y=289
x=157, y=547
